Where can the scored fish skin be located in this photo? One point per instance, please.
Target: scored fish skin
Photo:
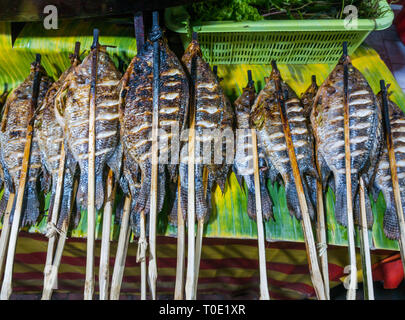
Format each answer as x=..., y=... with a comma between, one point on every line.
x=243, y=165
x=50, y=139
x=213, y=111
x=265, y=117
x=136, y=121
x=72, y=113
x=16, y=116
x=383, y=180
x=365, y=134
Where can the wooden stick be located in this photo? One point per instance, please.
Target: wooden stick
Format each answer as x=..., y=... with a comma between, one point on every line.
x=104, y=269
x=197, y=257
x=394, y=175
x=52, y=279
x=315, y=272
x=54, y=218
x=152, y=270
x=365, y=247
x=91, y=208
x=141, y=257
x=179, y=288
x=6, y=288
x=121, y=253
x=351, y=291
x=5, y=231
x=190, y=276
x=261, y=239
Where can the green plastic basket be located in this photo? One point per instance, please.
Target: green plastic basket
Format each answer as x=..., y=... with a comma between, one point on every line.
x=286, y=41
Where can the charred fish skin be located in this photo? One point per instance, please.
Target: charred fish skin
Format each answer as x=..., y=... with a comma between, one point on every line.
x=265, y=117
x=17, y=114
x=243, y=166
x=328, y=126
x=213, y=113
x=72, y=113
x=383, y=180
x=136, y=119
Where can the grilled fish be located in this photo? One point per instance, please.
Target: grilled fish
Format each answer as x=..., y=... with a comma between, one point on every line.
x=214, y=119
x=365, y=134
x=383, y=180
x=50, y=139
x=265, y=117
x=72, y=113
x=136, y=122
x=17, y=114
x=243, y=164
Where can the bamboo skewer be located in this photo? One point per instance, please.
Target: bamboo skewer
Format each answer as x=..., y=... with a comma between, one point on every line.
x=54, y=218
x=91, y=209
x=104, y=269
x=315, y=272
x=52, y=280
x=179, y=288
x=394, y=175
x=152, y=270
x=5, y=231
x=190, y=276
x=8, y=273
x=141, y=256
x=264, y=289
x=351, y=291
x=197, y=257
x=365, y=247
x=121, y=254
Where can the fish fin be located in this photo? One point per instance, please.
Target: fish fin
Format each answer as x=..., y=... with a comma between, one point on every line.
x=161, y=188
x=31, y=211
x=310, y=189
x=142, y=201
x=46, y=180
x=308, y=197
x=173, y=211
x=99, y=201
x=292, y=199
x=66, y=203
x=115, y=161
x=201, y=208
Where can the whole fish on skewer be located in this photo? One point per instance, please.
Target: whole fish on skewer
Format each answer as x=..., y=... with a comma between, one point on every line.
x=365, y=134
x=243, y=165
x=72, y=113
x=50, y=140
x=381, y=178
x=16, y=116
x=214, y=119
x=265, y=117
x=136, y=123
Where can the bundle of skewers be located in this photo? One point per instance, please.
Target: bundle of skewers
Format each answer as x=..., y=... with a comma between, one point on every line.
x=95, y=130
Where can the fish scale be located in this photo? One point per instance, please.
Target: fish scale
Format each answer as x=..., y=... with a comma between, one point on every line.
x=72, y=112
x=383, y=180
x=16, y=116
x=136, y=120
x=266, y=118
x=365, y=131
x=213, y=111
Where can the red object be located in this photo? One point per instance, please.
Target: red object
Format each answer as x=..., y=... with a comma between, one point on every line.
x=390, y=271
x=399, y=23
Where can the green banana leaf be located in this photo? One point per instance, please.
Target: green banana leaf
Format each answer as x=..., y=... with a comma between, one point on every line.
x=228, y=217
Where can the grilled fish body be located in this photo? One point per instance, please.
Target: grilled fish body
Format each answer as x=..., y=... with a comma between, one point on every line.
x=383, y=179
x=214, y=119
x=243, y=164
x=265, y=117
x=17, y=114
x=365, y=134
x=136, y=122
x=72, y=113
x=50, y=139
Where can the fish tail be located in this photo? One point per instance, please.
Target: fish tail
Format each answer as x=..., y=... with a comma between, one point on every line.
x=292, y=199
x=81, y=196
x=309, y=196
x=390, y=222
x=267, y=204
x=200, y=200
x=134, y=219
x=183, y=201
x=66, y=203
x=31, y=212
x=369, y=212
x=341, y=200
x=142, y=202
x=173, y=212
x=4, y=201
x=99, y=191
x=161, y=188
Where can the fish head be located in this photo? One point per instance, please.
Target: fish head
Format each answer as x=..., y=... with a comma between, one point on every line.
x=193, y=50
